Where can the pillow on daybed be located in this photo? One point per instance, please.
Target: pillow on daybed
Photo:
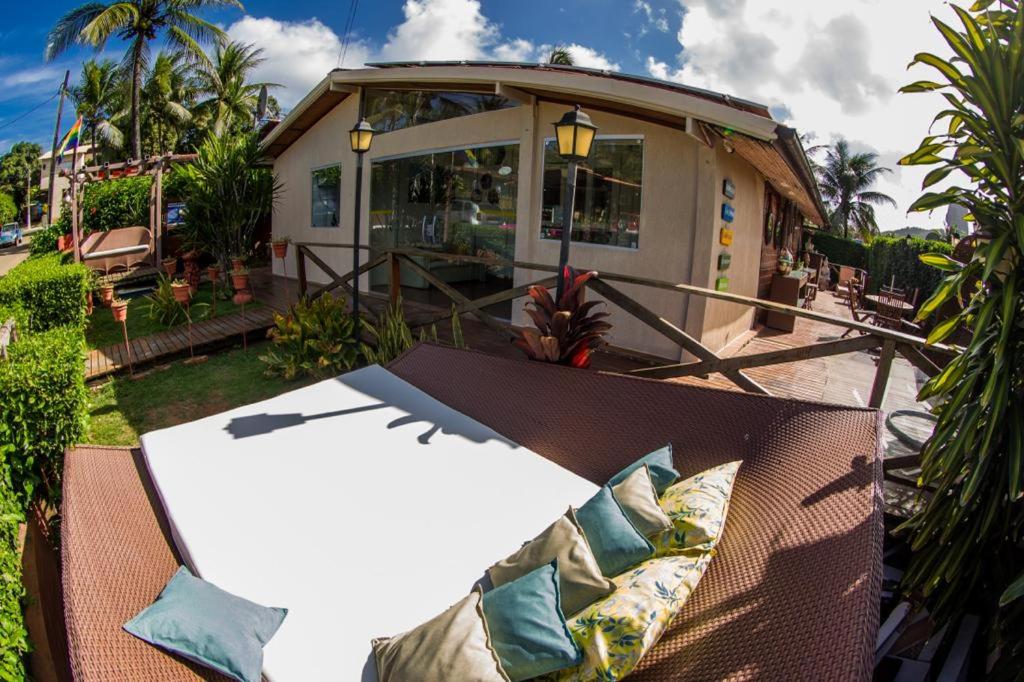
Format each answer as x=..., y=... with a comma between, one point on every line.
x=203, y=623
x=639, y=500
x=452, y=646
x=615, y=541
x=663, y=472
x=580, y=579
x=526, y=625
x=617, y=631
x=697, y=507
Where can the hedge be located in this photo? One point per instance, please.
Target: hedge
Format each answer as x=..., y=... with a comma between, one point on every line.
x=841, y=251
x=891, y=256
x=45, y=241
x=116, y=203
x=43, y=408
x=51, y=292
x=13, y=637
x=8, y=209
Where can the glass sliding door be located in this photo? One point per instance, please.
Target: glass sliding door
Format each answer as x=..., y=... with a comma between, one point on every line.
x=460, y=201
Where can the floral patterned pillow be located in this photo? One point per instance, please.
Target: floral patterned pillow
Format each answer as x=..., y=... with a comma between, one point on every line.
x=697, y=507
x=615, y=632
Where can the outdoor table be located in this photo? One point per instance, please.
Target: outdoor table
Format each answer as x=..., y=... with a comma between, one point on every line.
x=904, y=306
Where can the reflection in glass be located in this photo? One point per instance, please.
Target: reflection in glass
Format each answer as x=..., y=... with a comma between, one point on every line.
x=608, y=189
x=326, y=196
x=461, y=201
x=388, y=110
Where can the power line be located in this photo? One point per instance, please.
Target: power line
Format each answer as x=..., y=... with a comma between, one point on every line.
x=353, y=7
x=30, y=111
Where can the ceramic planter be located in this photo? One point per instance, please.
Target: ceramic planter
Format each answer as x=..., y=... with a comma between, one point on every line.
x=241, y=297
x=280, y=249
x=120, y=311
x=170, y=266
x=240, y=280
x=213, y=273
x=107, y=294
x=182, y=293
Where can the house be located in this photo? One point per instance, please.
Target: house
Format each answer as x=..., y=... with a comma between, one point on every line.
x=464, y=161
x=62, y=182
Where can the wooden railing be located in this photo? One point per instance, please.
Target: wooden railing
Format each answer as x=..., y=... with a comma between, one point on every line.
x=891, y=342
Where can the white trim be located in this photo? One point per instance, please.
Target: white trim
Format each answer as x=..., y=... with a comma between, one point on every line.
x=443, y=150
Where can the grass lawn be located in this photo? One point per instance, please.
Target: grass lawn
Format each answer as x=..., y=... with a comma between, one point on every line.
x=102, y=331
x=124, y=408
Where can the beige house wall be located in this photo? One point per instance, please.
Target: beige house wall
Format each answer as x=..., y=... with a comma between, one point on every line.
x=681, y=201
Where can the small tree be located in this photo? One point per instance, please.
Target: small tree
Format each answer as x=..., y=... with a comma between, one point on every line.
x=967, y=535
x=227, y=195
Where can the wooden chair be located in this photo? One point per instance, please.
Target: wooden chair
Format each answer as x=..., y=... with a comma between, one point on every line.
x=858, y=313
x=846, y=274
x=889, y=312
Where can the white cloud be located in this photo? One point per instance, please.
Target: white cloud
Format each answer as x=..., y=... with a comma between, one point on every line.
x=830, y=68
x=440, y=30
x=656, y=18
x=520, y=50
x=33, y=75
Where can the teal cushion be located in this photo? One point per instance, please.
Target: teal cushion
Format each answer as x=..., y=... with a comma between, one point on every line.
x=526, y=625
x=663, y=472
x=209, y=626
x=615, y=541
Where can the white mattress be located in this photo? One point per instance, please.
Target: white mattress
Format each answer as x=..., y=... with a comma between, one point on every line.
x=361, y=504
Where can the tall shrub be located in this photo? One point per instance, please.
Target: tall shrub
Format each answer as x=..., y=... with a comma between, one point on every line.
x=116, y=203
x=890, y=258
x=967, y=536
x=8, y=209
x=841, y=251
x=13, y=637
x=51, y=292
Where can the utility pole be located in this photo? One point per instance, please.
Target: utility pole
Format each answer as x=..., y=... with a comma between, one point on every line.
x=28, y=199
x=53, y=150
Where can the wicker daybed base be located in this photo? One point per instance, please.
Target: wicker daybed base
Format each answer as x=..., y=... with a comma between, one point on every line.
x=793, y=593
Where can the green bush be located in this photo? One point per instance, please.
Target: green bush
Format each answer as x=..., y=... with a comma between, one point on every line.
x=116, y=203
x=51, y=292
x=890, y=257
x=45, y=241
x=13, y=637
x=316, y=339
x=43, y=409
x=8, y=209
x=841, y=251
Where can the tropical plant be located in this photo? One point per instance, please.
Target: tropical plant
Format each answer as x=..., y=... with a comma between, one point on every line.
x=99, y=98
x=115, y=203
x=226, y=94
x=845, y=180
x=567, y=332
x=168, y=93
x=317, y=338
x=967, y=535
x=391, y=335
x=561, y=56
x=137, y=22
x=165, y=309
x=228, y=195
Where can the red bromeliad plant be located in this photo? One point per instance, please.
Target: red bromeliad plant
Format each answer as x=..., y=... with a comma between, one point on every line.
x=566, y=333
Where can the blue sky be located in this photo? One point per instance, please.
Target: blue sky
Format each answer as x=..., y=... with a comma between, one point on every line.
x=824, y=67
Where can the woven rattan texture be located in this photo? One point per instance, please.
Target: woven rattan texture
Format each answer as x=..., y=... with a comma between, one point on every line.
x=116, y=558
x=794, y=591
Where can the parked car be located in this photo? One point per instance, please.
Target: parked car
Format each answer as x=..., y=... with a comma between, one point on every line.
x=10, y=234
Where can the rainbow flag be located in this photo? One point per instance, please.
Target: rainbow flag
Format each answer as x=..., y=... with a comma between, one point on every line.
x=69, y=140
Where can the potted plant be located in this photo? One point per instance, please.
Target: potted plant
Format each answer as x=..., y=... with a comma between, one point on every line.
x=237, y=263
x=240, y=279
x=119, y=308
x=280, y=247
x=106, y=294
x=170, y=265
x=182, y=291
x=241, y=297
x=213, y=272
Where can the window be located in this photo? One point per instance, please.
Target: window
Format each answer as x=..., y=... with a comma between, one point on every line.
x=608, y=189
x=326, y=196
x=388, y=110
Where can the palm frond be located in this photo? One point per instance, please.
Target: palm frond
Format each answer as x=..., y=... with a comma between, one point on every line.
x=119, y=16
x=68, y=29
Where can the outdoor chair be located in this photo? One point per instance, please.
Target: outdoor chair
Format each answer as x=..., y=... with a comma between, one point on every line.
x=889, y=311
x=858, y=313
x=847, y=273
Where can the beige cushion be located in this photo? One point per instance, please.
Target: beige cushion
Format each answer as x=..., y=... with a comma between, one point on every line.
x=639, y=500
x=580, y=579
x=452, y=646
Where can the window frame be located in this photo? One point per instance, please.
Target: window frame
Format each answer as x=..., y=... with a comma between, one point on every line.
x=312, y=172
x=643, y=174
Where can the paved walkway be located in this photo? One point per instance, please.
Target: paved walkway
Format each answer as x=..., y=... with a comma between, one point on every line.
x=11, y=256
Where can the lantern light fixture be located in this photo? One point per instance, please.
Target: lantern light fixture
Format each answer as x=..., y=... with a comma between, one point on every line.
x=575, y=135
x=361, y=137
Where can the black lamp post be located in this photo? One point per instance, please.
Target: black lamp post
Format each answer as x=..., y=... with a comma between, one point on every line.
x=360, y=138
x=574, y=135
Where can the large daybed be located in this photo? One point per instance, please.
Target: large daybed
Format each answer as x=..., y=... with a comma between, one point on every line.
x=118, y=250
x=792, y=594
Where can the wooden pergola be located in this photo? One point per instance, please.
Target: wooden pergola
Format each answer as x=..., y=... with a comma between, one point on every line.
x=153, y=165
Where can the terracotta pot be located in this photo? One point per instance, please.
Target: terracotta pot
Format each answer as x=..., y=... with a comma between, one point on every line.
x=241, y=297
x=106, y=294
x=240, y=280
x=182, y=293
x=237, y=264
x=170, y=266
x=213, y=273
x=120, y=312
x=280, y=249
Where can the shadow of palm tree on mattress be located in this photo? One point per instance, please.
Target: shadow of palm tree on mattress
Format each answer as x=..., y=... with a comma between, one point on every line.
x=387, y=392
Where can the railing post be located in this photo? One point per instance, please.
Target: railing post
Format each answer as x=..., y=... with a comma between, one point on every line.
x=300, y=267
x=882, y=373
x=394, y=278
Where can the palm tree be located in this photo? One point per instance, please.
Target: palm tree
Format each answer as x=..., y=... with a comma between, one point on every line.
x=845, y=180
x=229, y=97
x=99, y=98
x=560, y=56
x=138, y=22
x=169, y=93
